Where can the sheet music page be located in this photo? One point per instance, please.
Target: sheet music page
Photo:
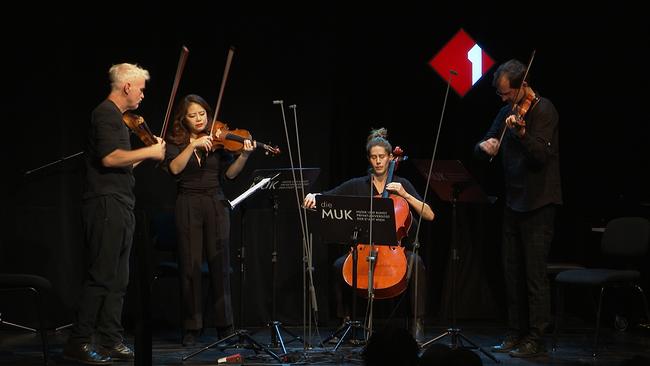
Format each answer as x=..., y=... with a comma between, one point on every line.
x=248, y=192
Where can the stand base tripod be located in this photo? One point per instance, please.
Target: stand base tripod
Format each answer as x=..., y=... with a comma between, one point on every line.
x=276, y=336
x=242, y=338
x=346, y=328
x=457, y=339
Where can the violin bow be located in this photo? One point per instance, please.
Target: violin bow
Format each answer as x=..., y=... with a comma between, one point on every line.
x=514, y=105
x=231, y=53
x=177, y=79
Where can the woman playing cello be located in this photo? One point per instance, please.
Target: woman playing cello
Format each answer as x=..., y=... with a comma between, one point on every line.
x=379, y=154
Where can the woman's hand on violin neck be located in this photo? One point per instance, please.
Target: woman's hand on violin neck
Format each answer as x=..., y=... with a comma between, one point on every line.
x=249, y=146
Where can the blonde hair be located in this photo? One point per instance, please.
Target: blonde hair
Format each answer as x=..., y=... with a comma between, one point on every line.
x=125, y=72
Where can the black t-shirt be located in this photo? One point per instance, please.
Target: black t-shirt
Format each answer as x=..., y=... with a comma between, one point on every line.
x=108, y=133
x=206, y=178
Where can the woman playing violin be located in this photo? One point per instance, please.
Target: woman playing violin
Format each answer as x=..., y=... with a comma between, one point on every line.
x=202, y=216
x=379, y=153
x=528, y=125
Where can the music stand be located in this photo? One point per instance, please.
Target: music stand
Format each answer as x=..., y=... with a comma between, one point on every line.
x=347, y=220
x=281, y=190
x=453, y=183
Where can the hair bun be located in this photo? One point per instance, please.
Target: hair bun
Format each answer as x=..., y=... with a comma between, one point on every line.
x=380, y=132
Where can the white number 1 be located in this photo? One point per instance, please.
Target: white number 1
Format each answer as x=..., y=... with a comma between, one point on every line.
x=474, y=55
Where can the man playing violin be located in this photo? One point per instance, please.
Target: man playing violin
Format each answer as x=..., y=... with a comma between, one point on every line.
x=528, y=125
x=202, y=214
x=108, y=220
x=379, y=152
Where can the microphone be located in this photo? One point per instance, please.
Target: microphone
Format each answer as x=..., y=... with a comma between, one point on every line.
x=278, y=101
x=453, y=72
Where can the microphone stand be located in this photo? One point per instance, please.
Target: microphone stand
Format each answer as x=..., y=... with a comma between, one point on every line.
x=452, y=331
x=303, y=225
x=307, y=243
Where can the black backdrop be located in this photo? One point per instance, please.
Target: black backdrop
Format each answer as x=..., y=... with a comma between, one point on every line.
x=347, y=70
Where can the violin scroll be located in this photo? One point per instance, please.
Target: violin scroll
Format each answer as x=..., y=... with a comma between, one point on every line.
x=137, y=124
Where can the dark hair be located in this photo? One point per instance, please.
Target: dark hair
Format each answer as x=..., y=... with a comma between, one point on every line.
x=378, y=137
x=513, y=71
x=180, y=131
x=391, y=346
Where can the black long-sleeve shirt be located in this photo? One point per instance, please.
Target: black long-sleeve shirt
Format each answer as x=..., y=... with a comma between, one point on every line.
x=531, y=163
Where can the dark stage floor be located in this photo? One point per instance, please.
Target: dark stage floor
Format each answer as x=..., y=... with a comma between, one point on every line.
x=24, y=348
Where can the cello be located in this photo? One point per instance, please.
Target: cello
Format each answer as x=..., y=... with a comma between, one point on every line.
x=389, y=278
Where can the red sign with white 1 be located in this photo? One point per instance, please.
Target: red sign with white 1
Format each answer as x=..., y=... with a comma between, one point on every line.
x=462, y=55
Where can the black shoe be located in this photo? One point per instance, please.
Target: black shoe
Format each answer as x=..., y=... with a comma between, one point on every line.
x=190, y=336
x=509, y=342
x=85, y=353
x=119, y=351
x=528, y=348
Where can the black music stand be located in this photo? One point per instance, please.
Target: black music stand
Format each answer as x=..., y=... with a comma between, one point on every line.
x=347, y=220
x=453, y=183
x=281, y=191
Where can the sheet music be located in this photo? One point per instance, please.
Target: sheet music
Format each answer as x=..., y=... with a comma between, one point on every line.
x=248, y=192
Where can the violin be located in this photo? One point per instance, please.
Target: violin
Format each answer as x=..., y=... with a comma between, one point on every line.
x=138, y=126
x=389, y=279
x=233, y=140
x=520, y=110
x=222, y=136
x=524, y=105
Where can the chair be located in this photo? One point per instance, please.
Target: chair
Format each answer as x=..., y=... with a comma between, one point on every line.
x=624, y=238
x=163, y=234
x=37, y=286
x=163, y=230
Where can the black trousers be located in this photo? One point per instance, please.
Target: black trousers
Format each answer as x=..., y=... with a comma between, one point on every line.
x=526, y=241
x=203, y=227
x=108, y=228
x=343, y=291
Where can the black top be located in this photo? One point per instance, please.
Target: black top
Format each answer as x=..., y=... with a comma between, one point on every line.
x=531, y=163
x=206, y=178
x=106, y=134
x=360, y=186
